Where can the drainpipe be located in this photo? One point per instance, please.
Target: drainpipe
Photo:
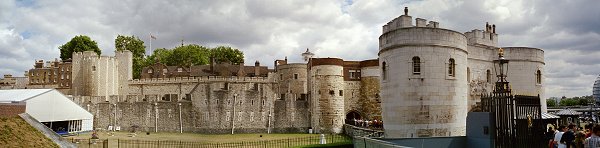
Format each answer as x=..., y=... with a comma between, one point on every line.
x=155, y=117
x=180, y=123
x=115, y=117
x=233, y=114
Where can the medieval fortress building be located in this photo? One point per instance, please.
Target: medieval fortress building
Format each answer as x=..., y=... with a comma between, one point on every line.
x=423, y=83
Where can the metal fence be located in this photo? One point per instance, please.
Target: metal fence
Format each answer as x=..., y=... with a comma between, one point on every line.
x=90, y=143
x=516, y=120
x=290, y=142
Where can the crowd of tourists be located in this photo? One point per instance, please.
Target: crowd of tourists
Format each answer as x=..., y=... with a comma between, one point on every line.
x=377, y=124
x=572, y=136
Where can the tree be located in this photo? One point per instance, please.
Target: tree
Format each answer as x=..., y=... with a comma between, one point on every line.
x=551, y=103
x=226, y=53
x=137, y=48
x=191, y=54
x=78, y=43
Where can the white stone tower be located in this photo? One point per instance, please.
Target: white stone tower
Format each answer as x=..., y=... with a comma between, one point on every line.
x=423, y=79
x=326, y=94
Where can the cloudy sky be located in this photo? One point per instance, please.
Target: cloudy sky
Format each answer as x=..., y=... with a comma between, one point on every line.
x=568, y=31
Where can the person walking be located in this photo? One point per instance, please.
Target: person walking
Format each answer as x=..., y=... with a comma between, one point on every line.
x=558, y=137
x=569, y=136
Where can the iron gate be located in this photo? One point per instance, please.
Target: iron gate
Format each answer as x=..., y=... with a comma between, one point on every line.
x=516, y=120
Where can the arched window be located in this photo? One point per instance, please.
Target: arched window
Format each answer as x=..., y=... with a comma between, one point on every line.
x=468, y=74
x=451, y=67
x=488, y=76
x=384, y=71
x=538, y=77
x=416, y=65
x=150, y=71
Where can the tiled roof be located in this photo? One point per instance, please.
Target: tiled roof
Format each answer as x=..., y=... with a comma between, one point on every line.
x=549, y=116
x=568, y=112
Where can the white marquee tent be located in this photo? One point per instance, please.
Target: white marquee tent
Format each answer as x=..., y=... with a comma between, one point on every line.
x=51, y=108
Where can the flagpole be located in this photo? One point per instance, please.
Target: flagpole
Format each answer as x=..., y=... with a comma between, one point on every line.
x=151, y=50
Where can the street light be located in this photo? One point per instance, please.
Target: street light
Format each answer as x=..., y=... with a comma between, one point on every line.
x=501, y=69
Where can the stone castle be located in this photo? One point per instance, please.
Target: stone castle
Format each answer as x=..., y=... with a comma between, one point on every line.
x=431, y=77
x=423, y=83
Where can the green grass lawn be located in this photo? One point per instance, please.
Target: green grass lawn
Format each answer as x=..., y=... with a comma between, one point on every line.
x=193, y=137
x=225, y=140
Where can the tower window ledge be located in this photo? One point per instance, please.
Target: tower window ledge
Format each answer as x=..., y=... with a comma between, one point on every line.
x=450, y=77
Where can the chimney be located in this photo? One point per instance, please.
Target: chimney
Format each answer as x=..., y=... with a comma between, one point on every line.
x=257, y=69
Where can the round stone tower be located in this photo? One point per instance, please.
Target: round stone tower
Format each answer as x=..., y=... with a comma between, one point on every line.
x=292, y=80
x=423, y=79
x=526, y=72
x=326, y=91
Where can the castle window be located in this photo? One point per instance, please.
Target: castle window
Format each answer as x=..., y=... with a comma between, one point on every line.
x=67, y=77
x=93, y=68
x=295, y=76
x=416, y=65
x=451, y=67
x=488, y=76
x=280, y=76
x=538, y=77
x=164, y=71
x=341, y=92
x=150, y=71
x=166, y=97
x=263, y=102
x=67, y=69
x=62, y=77
x=384, y=71
x=354, y=74
x=188, y=97
x=331, y=92
x=179, y=69
x=468, y=74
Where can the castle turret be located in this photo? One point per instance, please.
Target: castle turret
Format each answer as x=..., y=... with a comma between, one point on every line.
x=327, y=101
x=423, y=80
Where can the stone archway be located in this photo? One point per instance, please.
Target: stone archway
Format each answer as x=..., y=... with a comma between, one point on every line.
x=352, y=117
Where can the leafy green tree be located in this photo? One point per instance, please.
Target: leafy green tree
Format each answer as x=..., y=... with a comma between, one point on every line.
x=161, y=55
x=78, y=43
x=137, y=48
x=191, y=54
x=226, y=53
x=551, y=103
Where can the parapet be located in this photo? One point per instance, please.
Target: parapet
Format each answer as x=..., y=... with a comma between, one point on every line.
x=201, y=80
x=405, y=21
x=487, y=37
x=369, y=63
x=326, y=61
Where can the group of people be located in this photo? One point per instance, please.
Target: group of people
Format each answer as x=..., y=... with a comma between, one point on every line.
x=368, y=123
x=573, y=137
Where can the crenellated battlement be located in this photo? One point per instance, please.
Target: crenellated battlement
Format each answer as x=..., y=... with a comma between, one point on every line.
x=405, y=21
x=202, y=79
x=487, y=37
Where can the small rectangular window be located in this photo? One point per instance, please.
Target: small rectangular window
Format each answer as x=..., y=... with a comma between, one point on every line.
x=341, y=92
x=295, y=76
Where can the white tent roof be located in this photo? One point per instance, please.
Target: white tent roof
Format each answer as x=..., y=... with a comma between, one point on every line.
x=8, y=96
x=46, y=104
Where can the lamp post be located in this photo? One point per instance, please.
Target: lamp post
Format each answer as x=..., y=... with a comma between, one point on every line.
x=501, y=69
x=180, y=123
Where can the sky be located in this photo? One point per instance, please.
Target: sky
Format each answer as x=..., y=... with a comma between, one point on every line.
x=265, y=30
